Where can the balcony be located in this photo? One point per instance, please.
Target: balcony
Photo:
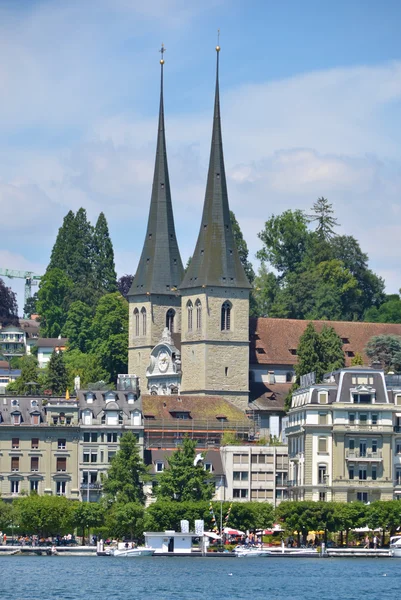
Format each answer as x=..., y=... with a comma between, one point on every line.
x=90, y=486
x=365, y=483
x=293, y=429
x=363, y=428
x=363, y=456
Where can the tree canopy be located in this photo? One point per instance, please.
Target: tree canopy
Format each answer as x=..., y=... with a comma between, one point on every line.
x=57, y=376
x=8, y=306
x=386, y=350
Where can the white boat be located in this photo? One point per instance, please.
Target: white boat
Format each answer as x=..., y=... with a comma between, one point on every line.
x=251, y=551
x=293, y=551
x=132, y=552
x=395, y=545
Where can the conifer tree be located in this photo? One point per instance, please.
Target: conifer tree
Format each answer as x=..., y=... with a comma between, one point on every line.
x=357, y=360
x=309, y=354
x=124, y=480
x=332, y=349
x=104, y=271
x=57, y=376
x=63, y=249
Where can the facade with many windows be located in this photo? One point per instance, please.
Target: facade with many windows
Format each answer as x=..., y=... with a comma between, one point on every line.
x=344, y=438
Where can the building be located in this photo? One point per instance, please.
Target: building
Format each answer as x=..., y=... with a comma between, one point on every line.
x=46, y=347
x=7, y=375
x=255, y=473
x=344, y=437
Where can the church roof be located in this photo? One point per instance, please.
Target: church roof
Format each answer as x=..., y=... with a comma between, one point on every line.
x=216, y=261
x=160, y=267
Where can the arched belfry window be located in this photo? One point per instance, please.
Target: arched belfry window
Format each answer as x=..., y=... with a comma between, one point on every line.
x=226, y=316
x=136, y=322
x=170, y=314
x=198, y=306
x=143, y=314
x=190, y=314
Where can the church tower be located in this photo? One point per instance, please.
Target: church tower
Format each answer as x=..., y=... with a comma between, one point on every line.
x=215, y=294
x=154, y=302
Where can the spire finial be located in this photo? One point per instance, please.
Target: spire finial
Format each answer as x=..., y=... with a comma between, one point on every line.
x=218, y=41
x=162, y=51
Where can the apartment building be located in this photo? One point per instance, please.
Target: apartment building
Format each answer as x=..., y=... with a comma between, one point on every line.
x=344, y=437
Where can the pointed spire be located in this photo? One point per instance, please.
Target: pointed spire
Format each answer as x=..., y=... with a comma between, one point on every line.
x=160, y=267
x=216, y=260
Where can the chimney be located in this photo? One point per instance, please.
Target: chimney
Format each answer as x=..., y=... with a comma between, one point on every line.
x=270, y=377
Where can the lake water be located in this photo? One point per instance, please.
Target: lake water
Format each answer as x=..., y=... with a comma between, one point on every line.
x=70, y=578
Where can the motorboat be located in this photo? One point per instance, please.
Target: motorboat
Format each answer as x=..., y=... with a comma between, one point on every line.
x=293, y=551
x=132, y=552
x=395, y=545
x=251, y=551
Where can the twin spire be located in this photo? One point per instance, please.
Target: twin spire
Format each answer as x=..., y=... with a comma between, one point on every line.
x=216, y=260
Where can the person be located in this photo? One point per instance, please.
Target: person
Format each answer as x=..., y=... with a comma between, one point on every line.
x=375, y=540
x=366, y=542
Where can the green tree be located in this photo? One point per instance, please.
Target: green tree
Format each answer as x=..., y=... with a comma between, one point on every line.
x=242, y=248
x=265, y=291
x=388, y=312
x=53, y=302
x=323, y=215
x=109, y=333
x=57, y=376
x=30, y=305
x=332, y=349
x=124, y=480
x=350, y=515
x=77, y=327
x=6, y=515
x=8, y=306
x=87, y=515
x=357, y=360
x=385, y=349
x=126, y=520
x=29, y=375
x=310, y=354
x=184, y=480
x=104, y=270
x=86, y=366
x=45, y=515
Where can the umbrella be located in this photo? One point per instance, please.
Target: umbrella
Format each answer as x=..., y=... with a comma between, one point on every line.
x=212, y=535
x=230, y=531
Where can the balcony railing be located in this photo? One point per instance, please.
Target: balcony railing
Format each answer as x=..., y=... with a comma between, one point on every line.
x=363, y=455
x=90, y=486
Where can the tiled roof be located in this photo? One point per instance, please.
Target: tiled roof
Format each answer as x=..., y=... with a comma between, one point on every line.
x=200, y=407
x=266, y=396
x=52, y=342
x=274, y=341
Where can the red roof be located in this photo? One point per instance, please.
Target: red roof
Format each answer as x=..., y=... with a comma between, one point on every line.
x=274, y=341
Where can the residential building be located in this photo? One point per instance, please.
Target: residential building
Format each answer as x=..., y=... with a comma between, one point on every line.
x=46, y=347
x=343, y=437
x=255, y=473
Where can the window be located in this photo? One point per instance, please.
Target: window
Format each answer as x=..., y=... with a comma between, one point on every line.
x=240, y=475
x=240, y=493
x=136, y=418
x=362, y=497
x=375, y=419
x=208, y=467
x=374, y=446
x=362, y=398
x=363, y=419
x=398, y=476
x=136, y=322
x=90, y=436
x=35, y=443
x=61, y=464
x=351, y=444
x=35, y=419
x=362, y=448
x=362, y=472
x=143, y=318
x=61, y=488
x=281, y=479
x=322, y=496
x=34, y=463
x=198, y=307
x=398, y=399
x=322, y=474
x=110, y=456
x=351, y=418
x=34, y=485
x=55, y=420
x=15, y=487
x=16, y=419
x=226, y=316
x=323, y=398
x=259, y=459
x=89, y=398
x=322, y=418
x=374, y=473
x=61, y=444
x=322, y=445
x=159, y=467
x=93, y=457
x=398, y=446
x=87, y=417
x=190, y=315
x=112, y=438
x=241, y=459
x=170, y=320
x=15, y=463
x=15, y=443
x=351, y=472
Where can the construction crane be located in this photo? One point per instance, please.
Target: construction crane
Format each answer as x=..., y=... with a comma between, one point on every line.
x=30, y=280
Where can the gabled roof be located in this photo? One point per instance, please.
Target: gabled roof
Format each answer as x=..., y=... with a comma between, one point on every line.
x=268, y=396
x=274, y=341
x=52, y=342
x=216, y=261
x=160, y=268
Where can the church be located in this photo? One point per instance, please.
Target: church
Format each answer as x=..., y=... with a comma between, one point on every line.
x=189, y=331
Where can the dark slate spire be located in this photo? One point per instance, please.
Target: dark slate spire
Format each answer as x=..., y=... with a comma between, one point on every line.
x=160, y=267
x=216, y=261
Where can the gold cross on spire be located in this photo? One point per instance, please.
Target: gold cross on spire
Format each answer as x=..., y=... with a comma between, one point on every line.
x=218, y=41
x=162, y=51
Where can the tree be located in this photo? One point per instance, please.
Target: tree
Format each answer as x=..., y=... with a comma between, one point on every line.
x=29, y=375
x=109, y=333
x=184, y=480
x=30, y=305
x=86, y=366
x=87, y=515
x=77, y=327
x=357, y=360
x=323, y=214
x=124, y=285
x=388, y=312
x=53, y=302
x=310, y=354
x=332, y=349
x=57, y=376
x=63, y=250
x=166, y=514
x=351, y=515
x=385, y=349
x=104, y=270
x=45, y=515
x=124, y=480
x=126, y=520
x=242, y=248
x=265, y=291
x=8, y=306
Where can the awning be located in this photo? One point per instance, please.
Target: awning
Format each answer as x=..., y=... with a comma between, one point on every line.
x=230, y=531
x=212, y=535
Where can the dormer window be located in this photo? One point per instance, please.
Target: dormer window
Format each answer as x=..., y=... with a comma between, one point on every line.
x=15, y=403
x=110, y=397
x=87, y=417
x=16, y=419
x=208, y=467
x=362, y=398
x=159, y=467
x=131, y=398
x=323, y=398
x=136, y=418
x=34, y=403
x=35, y=419
x=89, y=398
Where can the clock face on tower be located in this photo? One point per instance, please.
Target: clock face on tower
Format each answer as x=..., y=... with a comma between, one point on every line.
x=163, y=361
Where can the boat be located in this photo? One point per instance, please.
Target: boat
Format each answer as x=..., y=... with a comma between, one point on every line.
x=395, y=545
x=293, y=551
x=251, y=551
x=132, y=552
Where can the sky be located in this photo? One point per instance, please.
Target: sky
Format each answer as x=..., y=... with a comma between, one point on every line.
x=310, y=100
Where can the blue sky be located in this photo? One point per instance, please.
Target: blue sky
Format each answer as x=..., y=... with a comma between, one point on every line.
x=311, y=106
